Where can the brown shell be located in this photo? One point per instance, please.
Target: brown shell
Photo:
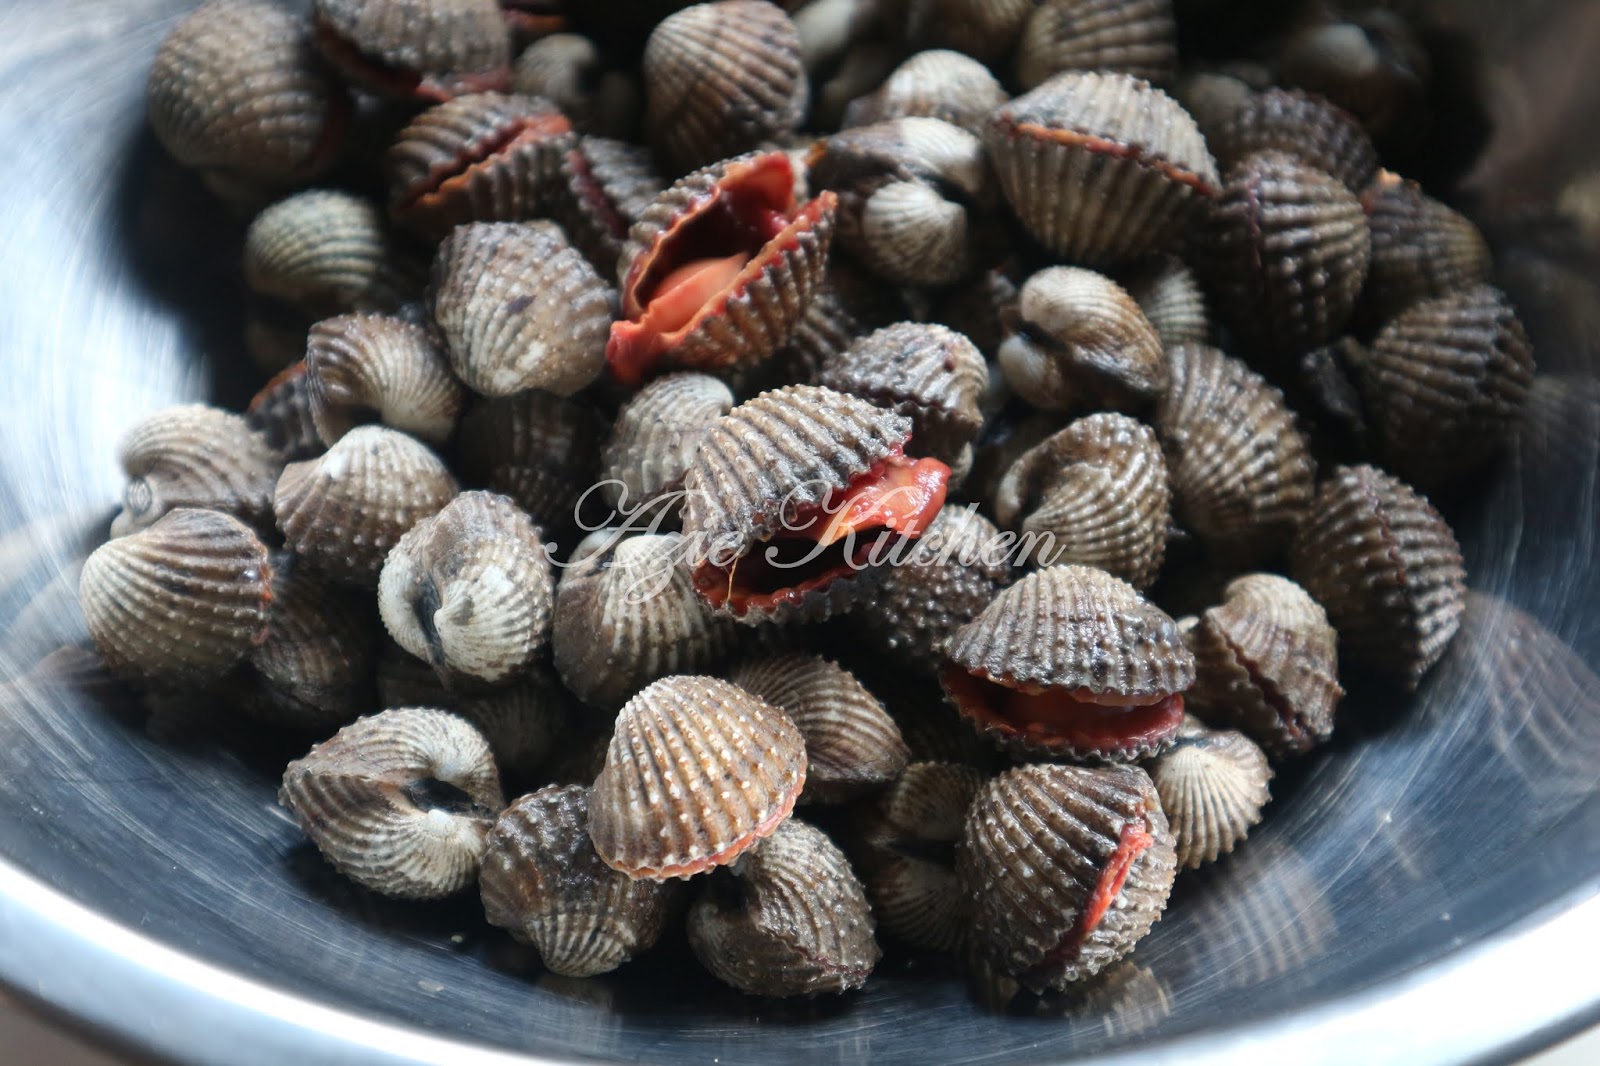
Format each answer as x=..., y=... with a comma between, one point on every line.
x=1039, y=844
x=1446, y=383
x=400, y=802
x=981, y=309
x=721, y=78
x=537, y=448
x=325, y=252
x=180, y=601
x=788, y=919
x=1211, y=97
x=929, y=373
x=937, y=83
x=1372, y=65
x=543, y=882
x=1267, y=663
x=569, y=70
x=236, y=86
x=656, y=435
x=984, y=29
x=416, y=49
x=193, y=455
x=520, y=308
x=1300, y=124
x=1137, y=37
x=697, y=773
x=604, y=186
x=363, y=368
x=852, y=745
x=1420, y=247
x=484, y=157
x=1075, y=154
x=1081, y=342
x=1169, y=295
x=628, y=614
x=1386, y=567
x=1241, y=473
x=1285, y=249
x=1213, y=785
x=1096, y=494
x=343, y=511
x=281, y=413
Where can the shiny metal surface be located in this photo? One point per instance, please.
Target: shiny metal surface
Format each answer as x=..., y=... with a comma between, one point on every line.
x=1426, y=890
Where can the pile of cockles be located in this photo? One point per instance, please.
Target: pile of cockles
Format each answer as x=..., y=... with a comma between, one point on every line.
x=877, y=472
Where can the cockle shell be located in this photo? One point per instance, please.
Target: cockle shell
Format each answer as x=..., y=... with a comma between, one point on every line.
x=325, y=252
x=983, y=309
x=697, y=773
x=193, y=455
x=400, y=802
x=656, y=434
x=1372, y=65
x=535, y=447
x=1303, y=125
x=281, y=413
x=363, y=368
x=1420, y=248
x=1137, y=37
x=1169, y=295
x=1065, y=868
x=416, y=49
x=1213, y=785
x=570, y=71
x=983, y=29
x=937, y=83
x=789, y=918
x=543, y=882
x=180, y=601
x=604, y=186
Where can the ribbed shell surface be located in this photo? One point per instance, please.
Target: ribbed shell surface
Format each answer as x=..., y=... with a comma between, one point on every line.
x=1170, y=297
x=193, y=455
x=1420, y=247
x=180, y=601
x=985, y=29
x=453, y=46
x=1213, y=785
x=698, y=772
x=604, y=187
x=361, y=365
x=325, y=252
x=937, y=83
x=320, y=651
x=1137, y=37
x=538, y=448
x=281, y=413
x=1303, y=125
x=657, y=433
x=1037, y=843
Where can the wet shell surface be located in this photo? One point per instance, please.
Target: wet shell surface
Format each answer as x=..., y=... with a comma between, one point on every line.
x=520, y=308
x=1082, y=342
x=193, y=455
x=469, y=589
x=321, y=649
x=721, y=78
x=1137, y=37
x=343, y=511
x=628, y=614
x=1065, y=869
x=1074, y=155
x=180, y=601
x=416, y=49
x=852, y=745
x=1386, y=567
x=364, y=368
x=1070, y=660
x=605, y=185
x=938, y=83
x=236, y=87
x=657, y=433
x=1241, y=473
x=543, y=882
x=698, y=772
x=400, y=802
x=1096, y=494
x=281, y=413
x=535, y=447
x=1213, y=785
x=1303, y=125
x=1420, y=248
x=325, y=252
x=1169, y=295
x=1267, y=664
x=788, y=919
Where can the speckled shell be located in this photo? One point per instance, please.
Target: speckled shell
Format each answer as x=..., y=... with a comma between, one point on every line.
x=317, y=661
x=1240, y=471
x=1074, y=155
x=520, y=308
x=937, y=83
x=721, y=78
x=417, y=49
x=1386, y=567
x=569, y=70
x=1081, y=342
x=1213, y=785
x=852, y=745
x=1285, y=249
x=788, y=919
x=657, y=433
x=325, y=252
x=371, y=801
x=343, y=511
x=697, y=773
x=485, y=157
x=363, y=366
x=1300, y=124
x=281, y=413
x=1420, y=247
x=1137, y=37
x=984, y=29
x=543, y=882
x=1445, y=385
x=604, y=187
x=1095, y=494
x=537, y=448
x=1169, y=295
x=1266, y=663
x=194, y=456
x=236, y=86
x=929, y=373
x=1038, y=842
x=628, y=614
x=180, y=601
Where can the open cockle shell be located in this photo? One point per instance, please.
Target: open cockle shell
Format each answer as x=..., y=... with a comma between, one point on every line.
x=1213, y=785
x=362, y=368
x=604, y=187
x=193, y=455
x=416, y=49
x=1137, y=37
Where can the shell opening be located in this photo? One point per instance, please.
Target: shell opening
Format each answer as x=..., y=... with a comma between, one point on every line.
x=477, y=156
x=602, y=209
x=431, y=794
x=345, y=54
x=1111, y=149
x=1067, y=719
x=1131, y=843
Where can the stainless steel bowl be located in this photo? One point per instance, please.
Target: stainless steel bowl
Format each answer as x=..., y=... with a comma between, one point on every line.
x=1423, y=891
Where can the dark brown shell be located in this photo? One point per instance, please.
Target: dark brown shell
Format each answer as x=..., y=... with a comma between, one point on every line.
x=604, y=187
x=1169, y=295
x=180, y=601
x=788, y=919
x=1300, y=124
x=193, y=455
x=1373, y=66
x=937, y=83
x=537, y=448
x=1075, y=154
x=400, y=802
x=984, y=29
x=1420, y=247
x=656, y=435
x=1096, y=494
x=1386, y=567
x=416, y=49
x=697, y=773
x=1039, y=845
x=570, y=71
x=1137, y=37
x=543, y=882
x=981, y=309
x=325, y=252
x=281, y=413
x=361, y=368
x=1213, y=785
